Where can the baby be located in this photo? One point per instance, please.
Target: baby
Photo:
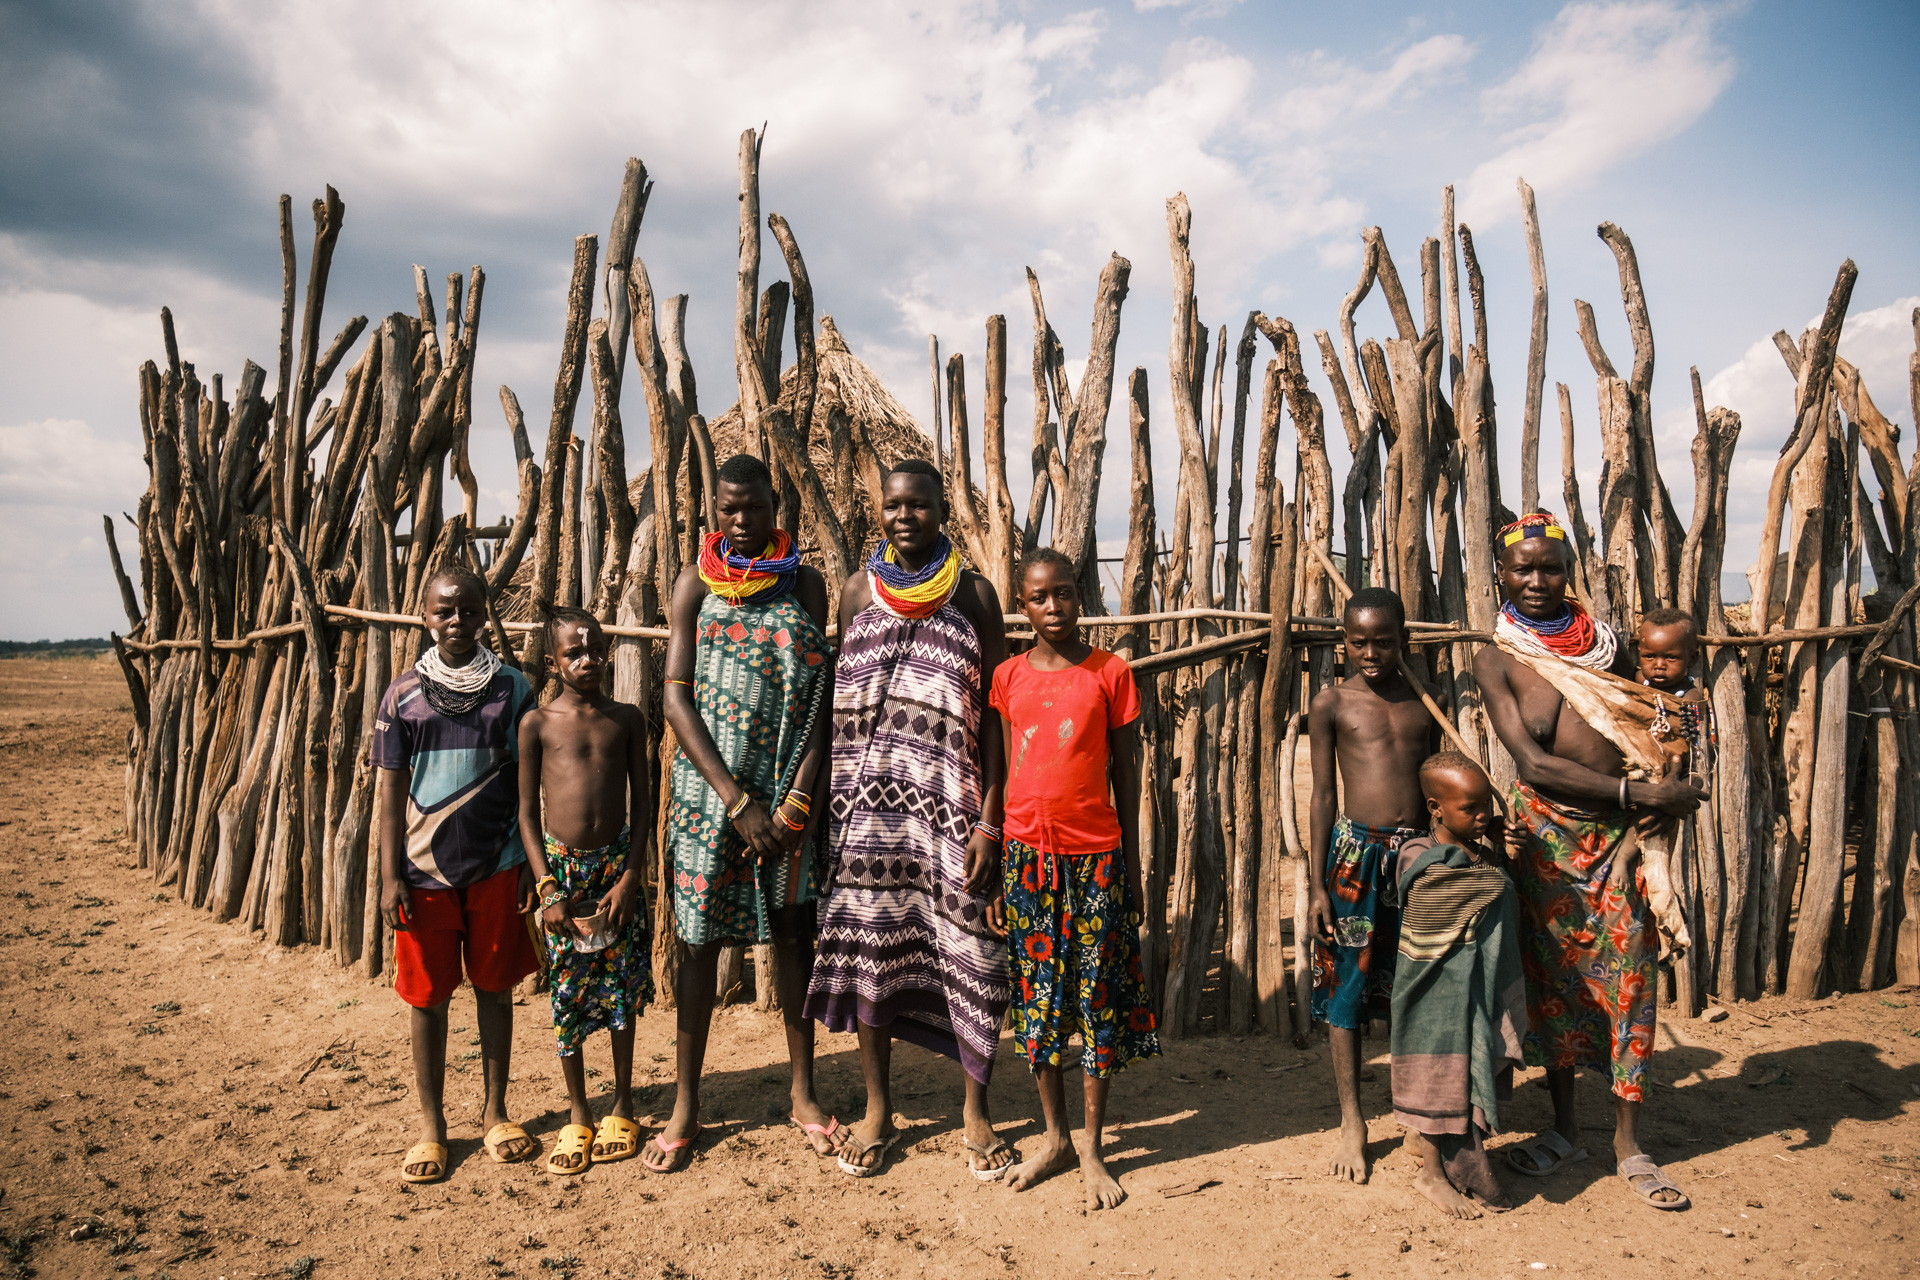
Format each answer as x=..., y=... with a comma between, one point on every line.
x=1668, y=645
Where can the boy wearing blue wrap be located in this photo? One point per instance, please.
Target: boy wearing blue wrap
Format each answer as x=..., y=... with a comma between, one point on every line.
x=1375, y=729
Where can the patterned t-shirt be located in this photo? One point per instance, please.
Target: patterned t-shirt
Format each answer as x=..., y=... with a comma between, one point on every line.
x=463, y=798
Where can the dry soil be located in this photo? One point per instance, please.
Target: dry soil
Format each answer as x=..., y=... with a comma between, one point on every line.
x=151, y=1102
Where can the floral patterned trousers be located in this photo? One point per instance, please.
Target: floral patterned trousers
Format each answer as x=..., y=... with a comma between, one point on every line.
x=1076, y=962
x=595, y=990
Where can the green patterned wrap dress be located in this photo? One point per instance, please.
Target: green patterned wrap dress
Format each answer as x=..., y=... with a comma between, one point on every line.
x=759, y=675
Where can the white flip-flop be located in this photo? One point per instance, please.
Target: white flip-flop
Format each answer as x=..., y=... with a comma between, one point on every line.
x=854, y=1146
x=987, y=1153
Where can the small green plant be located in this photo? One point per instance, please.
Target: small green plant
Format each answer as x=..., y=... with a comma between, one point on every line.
x=15, y=1250
x=121, y=1241
x=167, y=1006
x=346, y=1004
x=1838, y=1194
x=150, y=1030
x=300, y=1268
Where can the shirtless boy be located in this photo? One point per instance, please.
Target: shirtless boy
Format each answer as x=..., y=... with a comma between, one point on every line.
x=1374, y=725
x=588, y=755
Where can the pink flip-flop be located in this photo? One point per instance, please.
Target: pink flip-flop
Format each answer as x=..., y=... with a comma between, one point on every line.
x=672, y=1150
x=827, y=1130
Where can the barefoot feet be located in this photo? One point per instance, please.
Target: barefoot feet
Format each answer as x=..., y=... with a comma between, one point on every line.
x=1056, y=1155
x=1350, y=1156
x=1432, y=1183
x=1103, y=1189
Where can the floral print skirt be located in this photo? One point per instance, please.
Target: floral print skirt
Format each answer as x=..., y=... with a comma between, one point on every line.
x=1076, y=960
x=1589, y=953
x=596, y=990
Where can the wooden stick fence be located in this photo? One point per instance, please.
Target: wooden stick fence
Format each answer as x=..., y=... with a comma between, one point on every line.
x=282, y=544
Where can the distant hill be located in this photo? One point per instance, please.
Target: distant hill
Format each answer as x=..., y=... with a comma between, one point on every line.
x=53, y=648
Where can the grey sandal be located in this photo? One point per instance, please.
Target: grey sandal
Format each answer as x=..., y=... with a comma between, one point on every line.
x=1645, y=1178
x=1548, y=1152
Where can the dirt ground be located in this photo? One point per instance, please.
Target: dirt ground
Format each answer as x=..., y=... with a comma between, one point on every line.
x=150, y=1098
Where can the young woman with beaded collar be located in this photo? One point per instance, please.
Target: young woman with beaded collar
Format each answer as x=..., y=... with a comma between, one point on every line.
x=911, y=938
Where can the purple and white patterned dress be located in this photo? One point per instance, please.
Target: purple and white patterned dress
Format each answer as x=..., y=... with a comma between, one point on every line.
x=902, y=943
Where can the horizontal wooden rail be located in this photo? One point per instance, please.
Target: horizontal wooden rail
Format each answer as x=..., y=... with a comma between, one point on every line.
x=1430, y=632
x=1168, y=659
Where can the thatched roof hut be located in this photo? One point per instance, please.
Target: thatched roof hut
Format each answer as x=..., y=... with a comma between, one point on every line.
x=850, y=402
x=846, y=385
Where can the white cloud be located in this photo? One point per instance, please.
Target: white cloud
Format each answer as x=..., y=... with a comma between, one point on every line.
x=1194, y=8
x=1758, y=387
x=60, y=462
x=924, y=156
x=57, y=477
x=1604, y=83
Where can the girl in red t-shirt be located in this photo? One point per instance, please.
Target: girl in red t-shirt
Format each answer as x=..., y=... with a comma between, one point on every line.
x=1072, y=867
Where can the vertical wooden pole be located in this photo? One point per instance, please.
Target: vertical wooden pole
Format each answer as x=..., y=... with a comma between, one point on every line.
x=1536, y=354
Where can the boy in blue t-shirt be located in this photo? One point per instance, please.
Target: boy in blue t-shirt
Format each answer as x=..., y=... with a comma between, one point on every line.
x=454, y=883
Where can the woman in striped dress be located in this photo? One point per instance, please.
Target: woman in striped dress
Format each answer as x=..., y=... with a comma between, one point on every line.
x=911, y=940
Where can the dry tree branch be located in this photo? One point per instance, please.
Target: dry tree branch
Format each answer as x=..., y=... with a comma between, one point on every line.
x=1536, y=354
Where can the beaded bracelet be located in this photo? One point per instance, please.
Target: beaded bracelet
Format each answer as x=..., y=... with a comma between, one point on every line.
x=543, y=882
x=801, y=804
x=990, y=832
x=552, y=900
x=687, y=683
x=740, y=808
x=790, y=824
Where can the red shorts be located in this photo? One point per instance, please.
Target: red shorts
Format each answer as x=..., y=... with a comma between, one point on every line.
x=481, y=924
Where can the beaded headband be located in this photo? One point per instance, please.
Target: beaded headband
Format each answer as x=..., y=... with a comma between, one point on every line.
x=1547, y=524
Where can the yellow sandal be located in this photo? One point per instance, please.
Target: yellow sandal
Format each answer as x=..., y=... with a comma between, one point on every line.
x=500, y=1135
x=617, y=1139
x=575, y=1140
x=428, y=1153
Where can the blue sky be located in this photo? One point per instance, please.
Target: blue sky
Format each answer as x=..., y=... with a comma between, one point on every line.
x=925, y=156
